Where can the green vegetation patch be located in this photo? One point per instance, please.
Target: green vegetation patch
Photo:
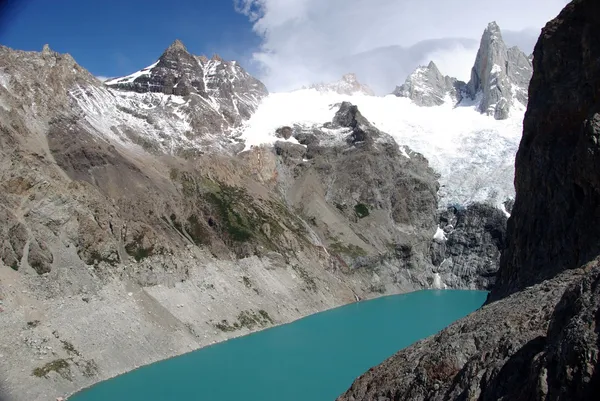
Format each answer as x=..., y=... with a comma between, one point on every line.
x=237, y=222
x=361, y=210
x=248, y=319
x=354, y=251
x=59, y=366
x=308, y=280
x=67, y=346
x=137, y=250
x=238, y=216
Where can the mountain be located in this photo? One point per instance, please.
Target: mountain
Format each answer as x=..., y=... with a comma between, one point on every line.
x=348, y=85
x=181, y=103
x=537, y=337
x=500, y=75
x=383, y=68
x=428, y=87
x=498, y=84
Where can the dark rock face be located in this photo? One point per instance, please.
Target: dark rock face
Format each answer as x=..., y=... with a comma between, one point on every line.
x=177, y=72
x=511, y=349
x=538, y=339
x=557, y=183
x=284, y=132
x=475, y=236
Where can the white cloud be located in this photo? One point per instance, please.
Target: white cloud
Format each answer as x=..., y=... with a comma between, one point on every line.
x=302, y=39
x=455, y=61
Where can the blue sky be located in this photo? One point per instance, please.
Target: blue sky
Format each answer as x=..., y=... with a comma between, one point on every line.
x=114, y=38
x=285, y=43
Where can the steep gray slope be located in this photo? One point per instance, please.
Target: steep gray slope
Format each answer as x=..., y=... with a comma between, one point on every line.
x=538, y=339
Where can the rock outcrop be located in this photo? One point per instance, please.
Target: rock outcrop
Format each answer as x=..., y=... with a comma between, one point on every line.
x=500, y=76
x=537, y=337
x=468, y=253
x=428, y=87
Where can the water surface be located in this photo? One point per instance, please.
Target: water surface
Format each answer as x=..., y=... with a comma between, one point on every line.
x=312, y=359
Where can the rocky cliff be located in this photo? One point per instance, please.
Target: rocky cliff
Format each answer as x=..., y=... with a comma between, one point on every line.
x=560, y=138
x=500, y=75
x=537, y=340
x=467, y=247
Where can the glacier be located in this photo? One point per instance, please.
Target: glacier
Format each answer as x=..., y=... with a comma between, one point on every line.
x=473, y=153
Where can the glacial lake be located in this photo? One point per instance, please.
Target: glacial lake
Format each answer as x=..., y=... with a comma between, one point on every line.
x=315, y=358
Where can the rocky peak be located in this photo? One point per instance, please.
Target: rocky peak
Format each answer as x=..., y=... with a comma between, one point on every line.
x=177, y=72
x=426, y=86
x=348, y=116
x=177, y=45
x=500, y=75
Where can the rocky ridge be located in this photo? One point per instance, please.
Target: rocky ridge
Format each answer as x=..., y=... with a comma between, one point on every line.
x=498, y=84
x=536, y=338
x=182, y=103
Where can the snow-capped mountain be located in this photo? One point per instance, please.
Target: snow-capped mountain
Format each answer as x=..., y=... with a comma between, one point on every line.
x=468, y=132
x=180, y=103
x=348, y=85
x=426, y=86
x=500, y=76
x=498, y=84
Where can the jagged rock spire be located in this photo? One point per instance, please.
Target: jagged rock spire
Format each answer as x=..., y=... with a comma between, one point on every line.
x=501, y=75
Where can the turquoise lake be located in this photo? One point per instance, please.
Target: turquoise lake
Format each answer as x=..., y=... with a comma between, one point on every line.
x=312, y=359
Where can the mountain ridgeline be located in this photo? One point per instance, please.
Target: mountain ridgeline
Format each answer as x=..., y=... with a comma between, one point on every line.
x=499, y=79
x=537, y=338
